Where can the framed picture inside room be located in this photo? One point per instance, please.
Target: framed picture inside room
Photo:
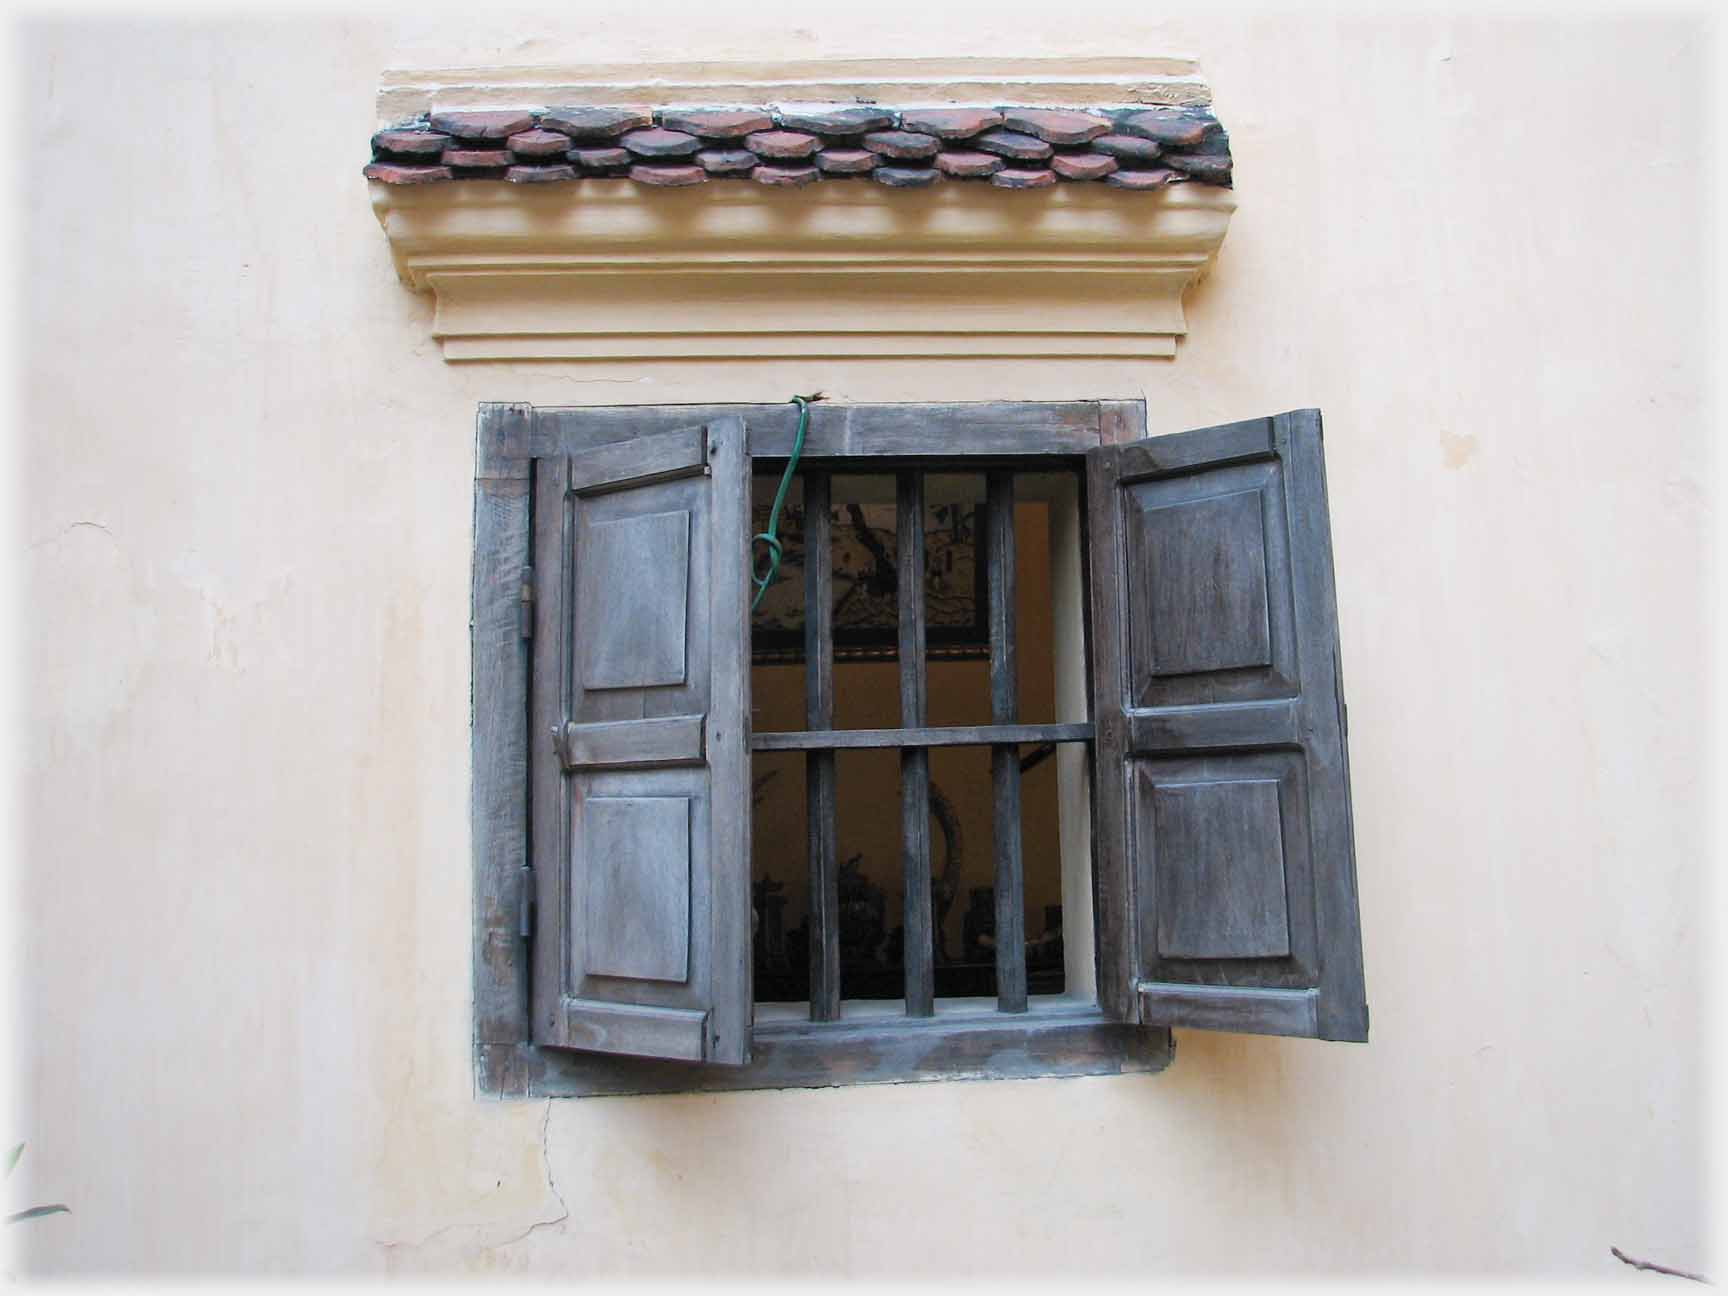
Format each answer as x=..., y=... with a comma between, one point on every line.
x=865, y=548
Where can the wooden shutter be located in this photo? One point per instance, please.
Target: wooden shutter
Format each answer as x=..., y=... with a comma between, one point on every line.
x=640, y=747
x=1223, y=784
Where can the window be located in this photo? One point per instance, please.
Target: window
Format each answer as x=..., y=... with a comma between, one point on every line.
x=915, y=770
x=614, y=748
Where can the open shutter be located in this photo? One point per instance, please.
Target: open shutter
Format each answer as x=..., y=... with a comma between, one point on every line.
x=1222, y=775
x=640, y=747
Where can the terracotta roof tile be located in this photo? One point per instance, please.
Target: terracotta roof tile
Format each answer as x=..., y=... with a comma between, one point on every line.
x=1056, y=125
x=717, y=123
x=906, y=177
x=790, y=176
x=1083, y=166
x=599, y=159
x=1012, y=144
x=846, y=161
x=1129, y=147
x=655, y=142
x=727, y=161
x=950, y=123
x=596, y=123
x=779, y=144
x=480, y=127
x=902, y=144
x=392, y=173
x=1023, y=178
x=1164, y=125
x=539, y=143
x=1201, y=166
x=836, y=120
x=968, y=165
x=409, y=143
x=540, y=174
x=669, y=176
x=460, y=157
x=1141, y=179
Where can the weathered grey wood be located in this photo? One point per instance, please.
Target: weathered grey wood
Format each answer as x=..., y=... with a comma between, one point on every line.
x=983, y=1047
x=916, y=911
x=821, y=808
x=913, y=431
x=631, y=589
x=640, y=461
x=729, y=744
x=1259, y=1011
x=503, y=433
x=638, y=894
x=1120, y=420
x=1209, y=597
x=498, y=805
x=1005, y=757
x=1209, y=728
x=1208, y=608
x=1219, y=860
x=644, y=912
x=554, y=541
x=1272, y=851
x=638, y=1031
x=1234, y=805
x=670, y=740
x=1343, y=1007
x=1213, y=447
x=1114, y=911
x=939, y=736
x=1000, y=563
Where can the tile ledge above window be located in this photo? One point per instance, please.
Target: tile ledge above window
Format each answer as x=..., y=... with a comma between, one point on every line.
x=609, y=269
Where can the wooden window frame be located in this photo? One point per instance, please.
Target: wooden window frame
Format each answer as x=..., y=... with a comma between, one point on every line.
x=954, y=1041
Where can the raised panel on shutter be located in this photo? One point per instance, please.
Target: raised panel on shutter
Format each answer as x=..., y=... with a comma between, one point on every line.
x=640, y=701
x=1222, y=774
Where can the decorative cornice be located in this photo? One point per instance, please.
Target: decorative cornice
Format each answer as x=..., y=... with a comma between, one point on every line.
x=671, y=266
x=1172, y=80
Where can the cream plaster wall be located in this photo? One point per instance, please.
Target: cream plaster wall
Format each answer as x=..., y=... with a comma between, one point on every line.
x=244, y=483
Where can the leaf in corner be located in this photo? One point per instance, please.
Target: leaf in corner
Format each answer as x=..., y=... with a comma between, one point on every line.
x=12, y=1158
x=36, y=1212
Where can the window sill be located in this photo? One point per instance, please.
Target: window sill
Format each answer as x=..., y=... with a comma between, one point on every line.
x=966, y=1040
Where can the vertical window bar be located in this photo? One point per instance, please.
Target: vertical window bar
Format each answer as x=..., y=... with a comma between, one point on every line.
x=1005, y=757
x=919, y=944
x=819, y=781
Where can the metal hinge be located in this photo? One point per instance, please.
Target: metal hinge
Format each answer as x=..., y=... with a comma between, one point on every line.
x=525, y=916
x=525, y=604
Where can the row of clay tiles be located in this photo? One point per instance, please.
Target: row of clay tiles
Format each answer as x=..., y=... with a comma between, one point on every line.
x=1015, y=148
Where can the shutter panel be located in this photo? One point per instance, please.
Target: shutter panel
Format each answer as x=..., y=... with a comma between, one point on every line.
x=640, y=747
x=1222, y=775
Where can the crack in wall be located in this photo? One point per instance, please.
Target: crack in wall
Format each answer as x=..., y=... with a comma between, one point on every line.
x=392, y=1248
x=551, y=1184
x=67, y=530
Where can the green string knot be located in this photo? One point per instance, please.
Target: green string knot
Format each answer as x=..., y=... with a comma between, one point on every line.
x=771, y=537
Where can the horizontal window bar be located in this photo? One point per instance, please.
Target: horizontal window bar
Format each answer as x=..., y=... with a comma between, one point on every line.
x=942, y=736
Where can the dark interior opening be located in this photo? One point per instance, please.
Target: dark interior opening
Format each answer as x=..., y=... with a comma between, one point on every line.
x=866, y=689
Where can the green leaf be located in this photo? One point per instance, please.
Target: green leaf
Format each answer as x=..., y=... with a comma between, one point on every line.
x=36, y=1212
x=12, y=1158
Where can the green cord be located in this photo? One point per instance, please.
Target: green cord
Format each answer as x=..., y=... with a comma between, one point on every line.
x=771, y=537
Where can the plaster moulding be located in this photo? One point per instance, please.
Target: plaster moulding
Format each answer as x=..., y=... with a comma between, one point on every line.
x=605, y=269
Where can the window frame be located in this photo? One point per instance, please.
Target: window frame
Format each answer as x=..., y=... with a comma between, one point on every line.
x=957, y=1042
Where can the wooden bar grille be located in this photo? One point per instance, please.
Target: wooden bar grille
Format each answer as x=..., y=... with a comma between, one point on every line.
x=917, y=920
x=820, y=741
x=819, y=766
x=1005, y=757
